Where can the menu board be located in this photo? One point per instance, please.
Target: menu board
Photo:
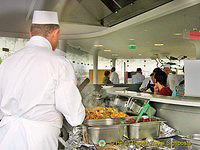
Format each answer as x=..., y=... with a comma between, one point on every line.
x=192, y=77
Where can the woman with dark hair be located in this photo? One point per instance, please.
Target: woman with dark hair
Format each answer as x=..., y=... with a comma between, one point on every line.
x=106, y=79
x=161, y=84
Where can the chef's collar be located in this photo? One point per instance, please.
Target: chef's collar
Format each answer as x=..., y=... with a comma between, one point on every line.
x=39, y=41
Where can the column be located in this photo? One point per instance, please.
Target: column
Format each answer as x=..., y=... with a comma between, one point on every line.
x=61, y=45
x=197, y=46
x=113, y=62
x=95, y=66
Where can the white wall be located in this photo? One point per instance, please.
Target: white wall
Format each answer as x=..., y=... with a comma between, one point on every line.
x=83, y=61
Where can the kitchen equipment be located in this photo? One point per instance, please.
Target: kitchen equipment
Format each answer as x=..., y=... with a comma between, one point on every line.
x=109, y=133
x=83, y=84
x=106, y=129
x=102, y=122
x=134, y=106
x=144, y=129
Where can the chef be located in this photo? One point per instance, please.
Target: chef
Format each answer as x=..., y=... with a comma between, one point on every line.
x=36, y=88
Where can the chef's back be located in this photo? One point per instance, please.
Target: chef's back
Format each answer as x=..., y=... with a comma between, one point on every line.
x=36, y=87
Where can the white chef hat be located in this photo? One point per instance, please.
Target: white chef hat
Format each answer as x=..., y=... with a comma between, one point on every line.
x=45, y=17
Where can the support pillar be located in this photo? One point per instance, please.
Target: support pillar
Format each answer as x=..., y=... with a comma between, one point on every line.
x=113, y=62
x=95, y=66
x=61, y=45
x=197, y=46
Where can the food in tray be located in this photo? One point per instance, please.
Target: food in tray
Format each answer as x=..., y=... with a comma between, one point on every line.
x=131, y=120
x=103, y=113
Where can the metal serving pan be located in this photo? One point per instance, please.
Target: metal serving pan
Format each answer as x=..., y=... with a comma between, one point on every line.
x=109, y=133
x=143, y=130
x=102, y=122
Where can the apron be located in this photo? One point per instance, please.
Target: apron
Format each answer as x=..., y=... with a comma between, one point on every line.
x=18, y=133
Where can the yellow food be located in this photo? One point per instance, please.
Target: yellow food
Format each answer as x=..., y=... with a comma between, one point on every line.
x=103, y=113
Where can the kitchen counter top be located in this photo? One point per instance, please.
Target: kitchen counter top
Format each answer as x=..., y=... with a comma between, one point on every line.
x=185, y=101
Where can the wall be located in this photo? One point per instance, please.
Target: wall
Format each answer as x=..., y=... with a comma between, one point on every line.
x=14, y=44
x=83, y=61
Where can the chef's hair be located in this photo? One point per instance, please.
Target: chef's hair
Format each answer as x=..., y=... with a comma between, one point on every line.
x=43, y=29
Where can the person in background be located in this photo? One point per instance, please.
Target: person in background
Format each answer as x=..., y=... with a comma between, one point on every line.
x=138, y=78
x=167, y=69
x=114, y=77
x=161, y=84
x=106, y=79
x=149, y=82
x=179, y=90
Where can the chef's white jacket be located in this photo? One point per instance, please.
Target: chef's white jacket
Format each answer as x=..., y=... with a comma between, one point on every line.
x=36, y=87
x=114, y=78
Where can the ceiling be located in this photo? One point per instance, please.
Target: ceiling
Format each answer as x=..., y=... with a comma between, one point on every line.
x=81, y=25
x=145, y=35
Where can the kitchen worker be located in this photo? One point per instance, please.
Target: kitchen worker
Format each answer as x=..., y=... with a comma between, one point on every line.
x=36, y=88
x=138, y=78
x=114, y=77
x=172, y=80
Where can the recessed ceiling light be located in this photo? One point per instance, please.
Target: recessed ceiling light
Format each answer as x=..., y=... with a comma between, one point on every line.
x=158, y=44
x=177, y=34
x=145, y=30
x=131, y=39
x=98, y=45
x=114, y=54
x=107, y=50
x=140, y=54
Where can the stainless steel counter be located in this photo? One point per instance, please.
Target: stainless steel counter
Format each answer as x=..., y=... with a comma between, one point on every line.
x=180, y=113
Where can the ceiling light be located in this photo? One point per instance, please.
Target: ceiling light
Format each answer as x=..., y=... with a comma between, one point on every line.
x=131, y=39
x=158, y=44
x=132, y=46
x=107, y=50
x=98, y=45
x=177, y=34
x=114, y=54
x=145, y=30
x=140, y=54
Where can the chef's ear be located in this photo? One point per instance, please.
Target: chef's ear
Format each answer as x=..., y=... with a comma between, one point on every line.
x=56, y=32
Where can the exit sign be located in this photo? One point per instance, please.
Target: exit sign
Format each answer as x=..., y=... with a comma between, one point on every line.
x=193, y=35
x=132, y=46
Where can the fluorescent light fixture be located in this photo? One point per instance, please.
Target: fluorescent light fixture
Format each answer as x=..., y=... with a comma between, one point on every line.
x=98, y=45
x=114, y=54
x=177, y=34
x=131, y=39
x=107, y=50
x=158, y=44
x=140, y=54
